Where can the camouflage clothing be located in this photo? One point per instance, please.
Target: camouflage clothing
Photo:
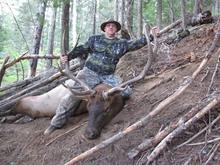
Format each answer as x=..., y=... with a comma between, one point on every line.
x=104, y=55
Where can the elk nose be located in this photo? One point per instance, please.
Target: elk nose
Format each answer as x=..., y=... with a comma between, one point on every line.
x=91, y=134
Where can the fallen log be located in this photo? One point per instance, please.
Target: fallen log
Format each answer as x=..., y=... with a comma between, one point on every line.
x=11, y=89
x=183, y=126
x=199, y=133
x=10, y=101
x=7, y=109
x=202, y=18
x=152, y=142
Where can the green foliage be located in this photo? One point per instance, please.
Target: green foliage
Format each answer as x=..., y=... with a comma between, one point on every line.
x=12, y=42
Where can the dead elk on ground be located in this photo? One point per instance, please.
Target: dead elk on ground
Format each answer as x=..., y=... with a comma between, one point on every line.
x=102, y=103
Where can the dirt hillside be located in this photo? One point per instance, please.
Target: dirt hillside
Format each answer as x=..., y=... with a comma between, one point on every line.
x=24, y=143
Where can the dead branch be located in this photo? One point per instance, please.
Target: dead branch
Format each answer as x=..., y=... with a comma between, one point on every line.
x=10, y=101
x=6, y=108
x=213, y=75
x=65, y=133
x=161, y=146
x=19, y=83
x=212, y=155
x=16, y=60
x=205, y=142
x=148, y=143
x=40, y=57
x=199, y=133
x=167, y=28
x=205, y=76
x=3, y=68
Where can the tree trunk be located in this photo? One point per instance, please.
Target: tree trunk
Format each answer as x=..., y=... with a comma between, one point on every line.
x=171, y=11
x=197, y=7
x=65, y=26
x=94, y=17
x=37, y=37
x=139, y=18
x=216, y=7
x=127, y=32
x=74, y=22
x=122, y=13
x=159, y=13
x=116, y=11
x=51, y=35
x=183, y=11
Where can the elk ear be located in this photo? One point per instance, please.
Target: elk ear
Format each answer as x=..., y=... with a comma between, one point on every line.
x=87, y=97
x=107, y=95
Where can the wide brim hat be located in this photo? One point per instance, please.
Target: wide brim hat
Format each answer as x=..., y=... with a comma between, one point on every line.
x=118, y=25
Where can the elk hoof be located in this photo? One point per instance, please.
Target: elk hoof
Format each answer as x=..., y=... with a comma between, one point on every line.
x=49, y=130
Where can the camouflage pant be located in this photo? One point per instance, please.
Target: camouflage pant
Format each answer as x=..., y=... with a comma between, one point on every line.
x=69, y=103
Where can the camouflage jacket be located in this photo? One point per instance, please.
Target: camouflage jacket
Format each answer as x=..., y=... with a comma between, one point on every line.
x=105, y=53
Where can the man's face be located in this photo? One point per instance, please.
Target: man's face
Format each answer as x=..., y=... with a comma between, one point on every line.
x=110, y=29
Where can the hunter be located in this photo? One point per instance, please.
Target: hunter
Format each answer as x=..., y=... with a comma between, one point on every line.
x=104, y=52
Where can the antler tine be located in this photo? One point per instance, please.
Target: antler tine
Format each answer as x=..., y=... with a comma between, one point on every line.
x=77, y=41
x=124, y=85
x=83, y=85
x=75, y=92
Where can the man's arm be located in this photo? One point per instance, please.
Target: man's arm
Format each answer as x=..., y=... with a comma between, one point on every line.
x=139, y=43
x=81, y=49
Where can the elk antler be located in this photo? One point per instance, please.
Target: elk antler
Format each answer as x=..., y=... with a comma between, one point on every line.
x=87, y=89
x=68, y=74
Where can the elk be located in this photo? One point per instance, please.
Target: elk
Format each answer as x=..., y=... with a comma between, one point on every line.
x=102, y=103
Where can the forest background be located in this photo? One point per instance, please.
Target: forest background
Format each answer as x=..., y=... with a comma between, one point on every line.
x=37, y=27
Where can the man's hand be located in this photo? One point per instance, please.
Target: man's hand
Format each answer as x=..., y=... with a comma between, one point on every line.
x=63, y=59
x=155, y=31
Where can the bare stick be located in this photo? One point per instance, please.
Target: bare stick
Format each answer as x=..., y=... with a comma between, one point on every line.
x=3, y=68
x=199, y=133
x=213, y=76
x=65, y=133
x=206, y=74
x=15, y=61
x=40, y=57
x=179, y=130
x=206, y=142
x=212, y=155
x=166, y=29
x=148, y=143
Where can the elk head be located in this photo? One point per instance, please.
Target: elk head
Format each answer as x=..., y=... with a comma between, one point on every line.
x=103, y=104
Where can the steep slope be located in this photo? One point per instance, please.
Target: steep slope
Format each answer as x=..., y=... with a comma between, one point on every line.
x=25, y=143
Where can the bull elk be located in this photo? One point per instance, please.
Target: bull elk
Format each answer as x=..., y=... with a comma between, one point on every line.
x=102, y=103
